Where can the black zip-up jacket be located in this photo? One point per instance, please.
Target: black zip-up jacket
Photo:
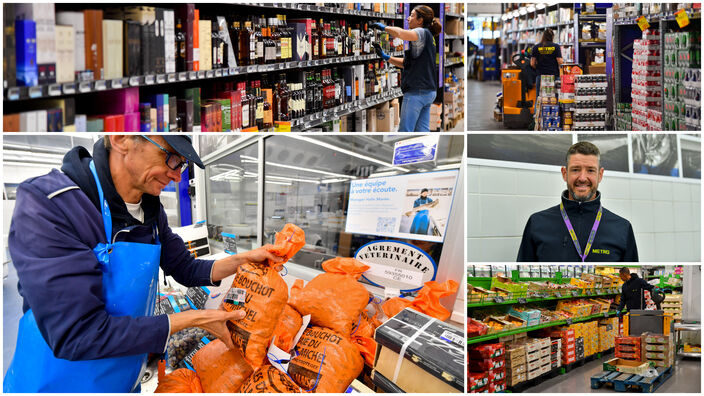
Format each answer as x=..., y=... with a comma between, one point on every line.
x=632, y=296
x=546, y=238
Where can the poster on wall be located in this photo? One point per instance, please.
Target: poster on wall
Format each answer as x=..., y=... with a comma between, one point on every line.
x=413, y=206
x=530, y=148
x=655, y=154
x=691, y=157
x=613, y=149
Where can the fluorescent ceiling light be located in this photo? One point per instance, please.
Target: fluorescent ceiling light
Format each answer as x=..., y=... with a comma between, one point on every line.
x=522, y=11
x=540, y=6
x=290, y=178
x=248, y=157
x=329, y=181
x=531, y=9
x=381, y=174
x=456, y=165
x=309, y=170
x=348, y=152
x=281, y=183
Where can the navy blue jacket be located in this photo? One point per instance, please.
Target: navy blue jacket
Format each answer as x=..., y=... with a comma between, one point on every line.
x=546, y=238
x=55, y=225
x=632, y=295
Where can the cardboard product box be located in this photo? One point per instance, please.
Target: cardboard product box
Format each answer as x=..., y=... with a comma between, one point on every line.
x=487, y=351
x=477, y=380
x=536, y=372
x=569, y=357
x=496, y=387
x=300, y=38
x=384, y=118
x=545, y=368
x=430, y=363
x=516, y=379
x=453, y=27
x=360, y=121
x=533, y=365
x=517, y=369
x=626, y=366
x=478, y=365
x=649, y=338
x=383, y=384
x=371, y=120
x=596, y=68
x=662, y=355
x=497, y=375
x=656, y=347
x=633, y=355
x=545, y=360
x=397, y=112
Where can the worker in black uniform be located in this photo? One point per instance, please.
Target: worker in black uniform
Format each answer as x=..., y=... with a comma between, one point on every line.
x=546, y=59
x=579, y=228
x=632, y=296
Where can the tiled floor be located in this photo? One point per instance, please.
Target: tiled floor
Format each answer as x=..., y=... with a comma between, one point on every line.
x=481, y=100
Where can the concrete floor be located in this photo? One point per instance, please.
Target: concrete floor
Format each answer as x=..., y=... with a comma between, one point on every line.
x=481, y=99
x=686, y=379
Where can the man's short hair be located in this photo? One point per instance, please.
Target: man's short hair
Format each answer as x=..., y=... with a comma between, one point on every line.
x=106, y=141
x=584, y=148
x=624, y=271
x=423, y=190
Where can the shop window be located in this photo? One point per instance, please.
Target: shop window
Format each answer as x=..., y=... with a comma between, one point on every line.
x=231, y=189
x=308, y=183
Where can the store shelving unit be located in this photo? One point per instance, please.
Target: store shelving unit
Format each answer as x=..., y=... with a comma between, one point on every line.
x=493, y=336
x=15, y=97
x=511, y=42
x=625, y=31
x=449, y=61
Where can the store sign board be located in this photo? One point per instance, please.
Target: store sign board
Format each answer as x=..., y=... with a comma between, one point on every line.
x=396, y=265
x=399, y=206
x=416, y=150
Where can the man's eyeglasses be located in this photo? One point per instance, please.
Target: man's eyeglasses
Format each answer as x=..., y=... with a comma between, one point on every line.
x=173, y=160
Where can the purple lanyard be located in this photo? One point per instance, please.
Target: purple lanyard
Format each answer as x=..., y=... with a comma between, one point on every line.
x=574, y=235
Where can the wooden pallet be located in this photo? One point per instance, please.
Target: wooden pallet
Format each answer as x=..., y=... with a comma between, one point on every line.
x=622, y=382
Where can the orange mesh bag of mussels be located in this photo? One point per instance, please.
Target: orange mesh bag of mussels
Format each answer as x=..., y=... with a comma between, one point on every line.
x=262, y=293
x=334, y=299
x=220, y=369
x=268, y=379
x=326, y=362
x=180, y=381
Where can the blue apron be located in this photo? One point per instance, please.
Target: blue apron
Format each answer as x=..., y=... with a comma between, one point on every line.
x=130, y=278
x=421, y=221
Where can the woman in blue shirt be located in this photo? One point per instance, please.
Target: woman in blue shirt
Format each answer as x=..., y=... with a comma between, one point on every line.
x=421, y=221
x=419, y=77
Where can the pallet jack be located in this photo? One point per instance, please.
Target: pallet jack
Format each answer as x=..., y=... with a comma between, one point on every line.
x=518, y=87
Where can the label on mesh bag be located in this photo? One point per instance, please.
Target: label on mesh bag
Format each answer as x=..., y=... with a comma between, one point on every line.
x=187, y=361
x=305, y=378
x=235, y=296
x=239, y=336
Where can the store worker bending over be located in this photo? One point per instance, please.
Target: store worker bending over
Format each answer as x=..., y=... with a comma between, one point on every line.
x=579, y=228
x=418, y=78
x=632, y=296
x=87, y=242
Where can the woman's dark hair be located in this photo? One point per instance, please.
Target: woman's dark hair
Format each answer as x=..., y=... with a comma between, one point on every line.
x=423, y=190
x=548, y=36
x=429, y=21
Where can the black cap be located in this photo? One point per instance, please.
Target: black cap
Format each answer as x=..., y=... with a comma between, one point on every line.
x=184, y=146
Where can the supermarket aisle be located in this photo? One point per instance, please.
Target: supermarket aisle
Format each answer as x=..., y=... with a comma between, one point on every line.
x=481, y=99
x=686, y=379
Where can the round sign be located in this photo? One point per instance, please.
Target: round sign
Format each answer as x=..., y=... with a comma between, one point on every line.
x=396, y=264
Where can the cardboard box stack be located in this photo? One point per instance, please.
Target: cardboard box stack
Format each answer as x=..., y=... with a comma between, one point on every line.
x=555, y=353
x=486, y=368
x=658, y=349
x=516, y=369
x=628, y=348
x=435, y=116
x=579, y=348
x=646, y=93
x=567, y=344
x=537, y=356
x=673, y=305
x=608, y=331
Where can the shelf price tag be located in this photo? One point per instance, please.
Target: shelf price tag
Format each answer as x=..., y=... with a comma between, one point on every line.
x=682, y=18
x=575, y=293
x=558, y=294
x=643, y=23
x=498, y=299
x=521, y=300
x=606, y=314
x=569, y=321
